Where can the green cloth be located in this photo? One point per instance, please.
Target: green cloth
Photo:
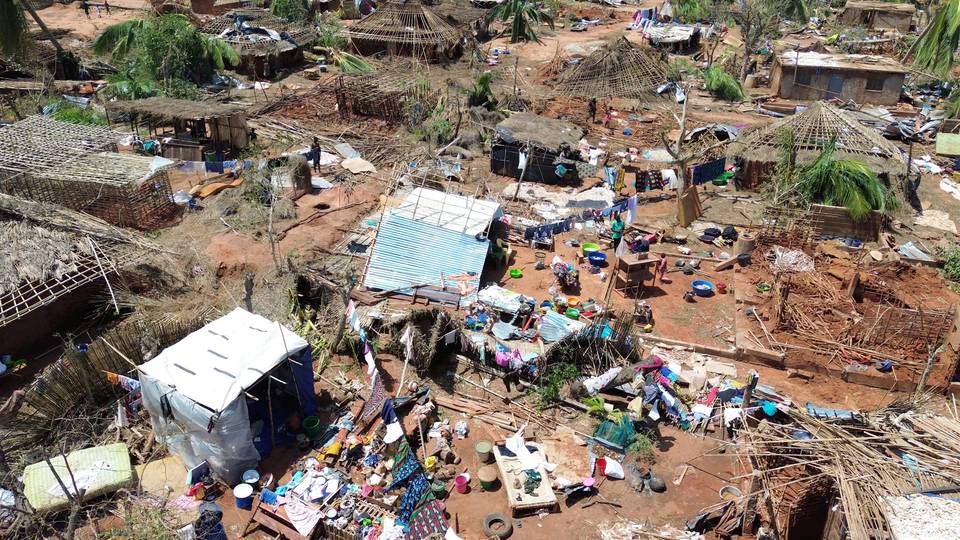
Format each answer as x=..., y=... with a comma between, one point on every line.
x=617, y=229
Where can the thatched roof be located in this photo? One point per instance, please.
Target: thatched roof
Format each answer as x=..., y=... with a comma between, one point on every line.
x=619, y=69
x=814, y=127
x=255, y=39
x=50, y=251
x=36, y=254
x=546, y=133
x=411, y=24
x=167, y=109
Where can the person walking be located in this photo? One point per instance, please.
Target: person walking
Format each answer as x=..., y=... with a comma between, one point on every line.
x=85, y=6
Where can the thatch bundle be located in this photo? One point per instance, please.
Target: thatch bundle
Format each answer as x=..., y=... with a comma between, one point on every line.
x=812, y=131
x=36, y=254
x=619, y=69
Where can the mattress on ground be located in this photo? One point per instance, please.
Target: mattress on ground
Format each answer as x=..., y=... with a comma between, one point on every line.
x=99, y=470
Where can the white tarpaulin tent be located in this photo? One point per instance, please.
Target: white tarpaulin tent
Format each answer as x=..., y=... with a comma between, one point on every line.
x=215, y=364
x=196, y=390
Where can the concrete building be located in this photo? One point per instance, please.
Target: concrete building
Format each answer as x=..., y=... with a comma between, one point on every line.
x=862, y=78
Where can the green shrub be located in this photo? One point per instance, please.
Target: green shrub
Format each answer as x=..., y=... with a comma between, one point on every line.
x=75, y=115
x=721, y=85
x=952, y=265
x=553, y=380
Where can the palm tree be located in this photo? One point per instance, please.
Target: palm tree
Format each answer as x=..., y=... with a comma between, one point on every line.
x=525, y=16
x=846, y=183
x=121, y=40
x=938, y=42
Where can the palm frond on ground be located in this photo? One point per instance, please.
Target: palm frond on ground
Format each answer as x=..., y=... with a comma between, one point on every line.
x=847, y=183
x=523, y=16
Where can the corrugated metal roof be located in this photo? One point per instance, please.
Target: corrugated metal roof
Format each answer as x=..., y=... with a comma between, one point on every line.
x=409, y=252
x=466, y=215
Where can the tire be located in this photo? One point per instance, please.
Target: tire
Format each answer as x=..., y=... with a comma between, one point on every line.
x=502, y=532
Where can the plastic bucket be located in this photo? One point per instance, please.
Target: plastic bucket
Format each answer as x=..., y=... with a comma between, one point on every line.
x=250, y=476
x=483, y=449
x=488, y=478
x=461, y=484
x=587, y=247
x=439, y=489
x=243, y=494
x=311, y=426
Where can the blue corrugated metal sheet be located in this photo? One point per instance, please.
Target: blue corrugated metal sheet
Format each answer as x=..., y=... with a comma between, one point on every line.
x=408, y=253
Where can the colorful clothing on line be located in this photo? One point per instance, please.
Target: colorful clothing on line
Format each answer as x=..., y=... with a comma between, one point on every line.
x=378, y=395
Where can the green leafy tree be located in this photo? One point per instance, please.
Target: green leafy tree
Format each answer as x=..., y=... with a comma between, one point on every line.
x=523, y=16
x=934, y=50
x=757, y=19
x=796, y=10
x=167, y=49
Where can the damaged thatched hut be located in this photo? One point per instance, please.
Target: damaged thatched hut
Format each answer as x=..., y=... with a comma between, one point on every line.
x=78, y=167
x=761, y=149
x=53, y=261
x=619, y=69
x=405, y=29
x=395, y=95
x=538, y=148
x=186, y=128
x=264, y=43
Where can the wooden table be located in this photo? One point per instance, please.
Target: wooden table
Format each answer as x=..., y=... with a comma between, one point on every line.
x=632, y=270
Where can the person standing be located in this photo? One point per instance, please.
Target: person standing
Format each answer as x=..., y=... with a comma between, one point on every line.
x=106, y=6
x=616, y=230
x=607, y=117
x=315, y=153
x=85, y=6
x=592, y=110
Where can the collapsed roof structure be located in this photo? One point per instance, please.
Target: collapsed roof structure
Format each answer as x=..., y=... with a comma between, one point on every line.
x=78, y=166
x=811, y=130
x=265, y=43
x=619, y=69
x=405, y=29
x=393, y=94
x=50, y=252
x=839, y=470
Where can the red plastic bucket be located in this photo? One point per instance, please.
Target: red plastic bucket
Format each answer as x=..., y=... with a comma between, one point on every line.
x=461, y=484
